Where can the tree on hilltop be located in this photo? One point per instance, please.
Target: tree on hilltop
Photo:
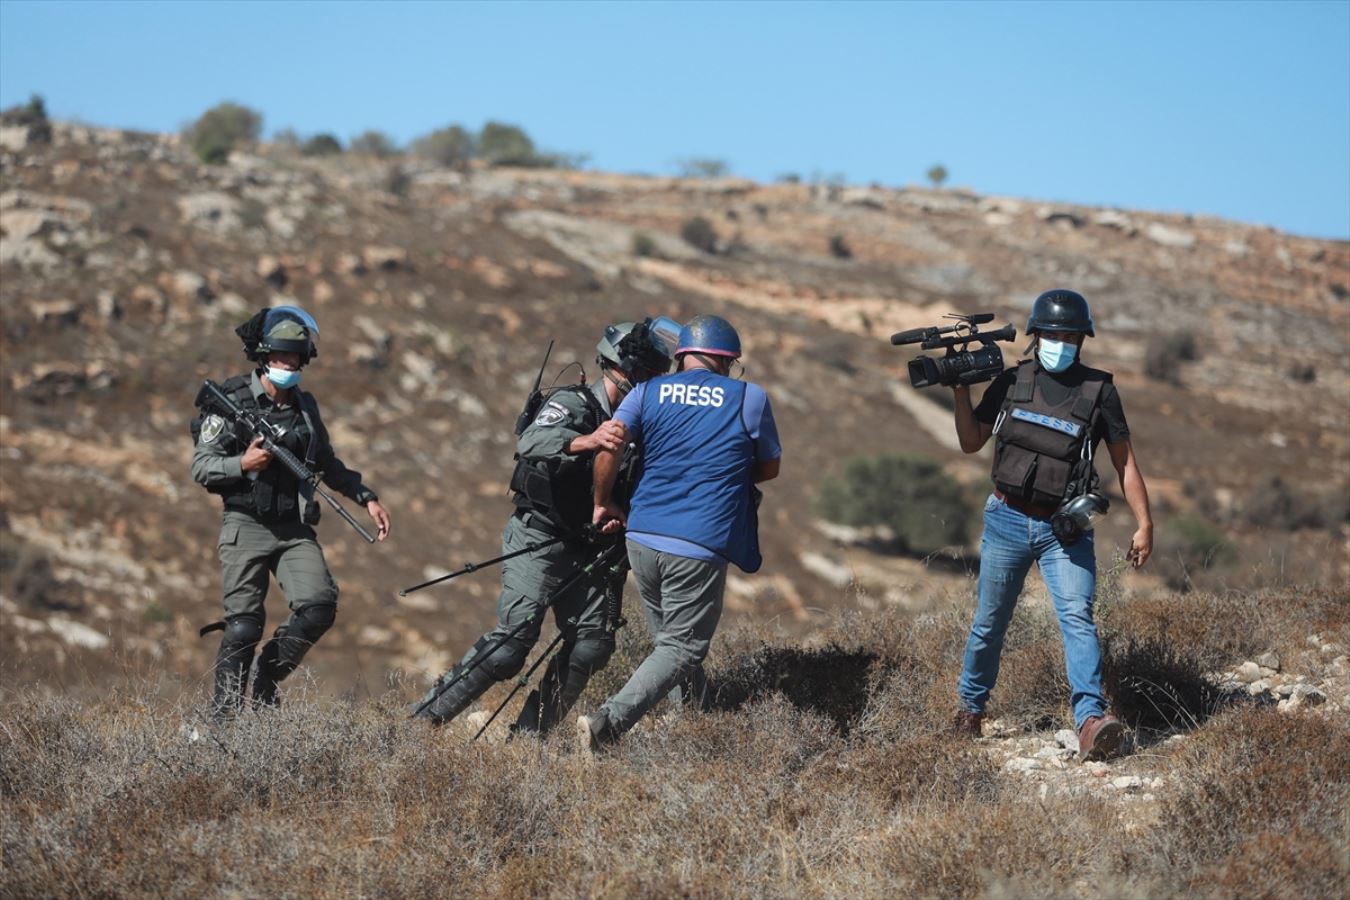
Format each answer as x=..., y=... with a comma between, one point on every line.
x=31, y=115
x=221, y=129
x=449, y=146
x=500, y=144
x=937, y=175
x=373, y=143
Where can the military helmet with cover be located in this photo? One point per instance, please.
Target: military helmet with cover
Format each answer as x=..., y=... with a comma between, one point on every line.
x=640, y=350
x=1060, y=311
x=281, y=329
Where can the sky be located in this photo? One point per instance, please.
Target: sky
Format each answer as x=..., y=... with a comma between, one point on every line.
x=1240, y=110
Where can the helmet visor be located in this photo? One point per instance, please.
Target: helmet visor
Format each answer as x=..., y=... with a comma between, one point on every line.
x=293, y=313
x=664, y=333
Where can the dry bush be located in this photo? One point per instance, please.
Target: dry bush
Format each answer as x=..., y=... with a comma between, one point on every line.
x=779, y=793
x=1261, y=807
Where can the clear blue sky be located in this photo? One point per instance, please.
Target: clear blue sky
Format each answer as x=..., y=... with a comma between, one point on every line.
x=1235, y=109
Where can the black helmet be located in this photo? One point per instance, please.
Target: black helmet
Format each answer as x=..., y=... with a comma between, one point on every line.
x=1061, y=311
x=283, y=329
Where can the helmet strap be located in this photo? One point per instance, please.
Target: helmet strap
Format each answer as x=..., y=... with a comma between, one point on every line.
x=619, y=380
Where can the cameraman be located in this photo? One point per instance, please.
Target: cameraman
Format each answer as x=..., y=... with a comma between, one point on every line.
x=1049, y=414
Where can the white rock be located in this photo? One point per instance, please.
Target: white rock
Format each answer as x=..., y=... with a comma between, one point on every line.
x=1284, y=690
x=1021, y=765
x=78, y=634
x=1113, y=218
x=211, y=210
x=1270, y=659
x=1247, y=672
x=1067, y=739
x=1130, y=783
x=1258, y=687
x=1168, y=236
x=1307, y=695
x=836, y=573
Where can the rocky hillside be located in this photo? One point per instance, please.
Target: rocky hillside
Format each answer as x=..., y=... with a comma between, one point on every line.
x=125, y=266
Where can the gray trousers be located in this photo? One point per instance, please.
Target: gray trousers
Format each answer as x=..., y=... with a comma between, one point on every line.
x=682, y=599
x=251, y=551
x=581, y=614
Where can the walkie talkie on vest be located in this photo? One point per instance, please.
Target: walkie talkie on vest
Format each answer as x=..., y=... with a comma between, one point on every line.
x=213, y=399
x=536, y=398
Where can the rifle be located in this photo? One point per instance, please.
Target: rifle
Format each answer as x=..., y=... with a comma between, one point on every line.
x=212, y=398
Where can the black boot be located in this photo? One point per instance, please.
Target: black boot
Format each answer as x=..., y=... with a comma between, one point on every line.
x=290, y=642
x=232, y=663
x=441, y=704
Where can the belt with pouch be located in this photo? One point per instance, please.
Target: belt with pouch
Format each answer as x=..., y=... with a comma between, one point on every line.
x=1035, y=510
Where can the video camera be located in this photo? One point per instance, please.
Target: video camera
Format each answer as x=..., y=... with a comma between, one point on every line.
x=957, y=366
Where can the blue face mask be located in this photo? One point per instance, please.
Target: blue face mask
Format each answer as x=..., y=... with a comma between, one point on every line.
x=1055, y=356
x=283, y=378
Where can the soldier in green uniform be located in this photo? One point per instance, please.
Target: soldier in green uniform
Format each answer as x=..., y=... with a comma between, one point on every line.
x=552, y=490
x=267, y=528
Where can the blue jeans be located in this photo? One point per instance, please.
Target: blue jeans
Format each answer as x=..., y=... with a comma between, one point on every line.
x=1012, y=541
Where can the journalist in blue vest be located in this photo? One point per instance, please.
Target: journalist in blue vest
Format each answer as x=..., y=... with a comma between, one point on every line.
x=1047, y=416
x=706, y=440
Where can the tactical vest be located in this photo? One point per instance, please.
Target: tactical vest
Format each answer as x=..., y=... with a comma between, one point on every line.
x=564, y=499
x=698, y=466
x=275, y=495
x=1040, y=445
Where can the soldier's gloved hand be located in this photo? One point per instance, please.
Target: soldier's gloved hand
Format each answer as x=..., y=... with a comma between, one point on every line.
x=255, y=458
x=608, y=518
x=381, y=517
x=609, y=436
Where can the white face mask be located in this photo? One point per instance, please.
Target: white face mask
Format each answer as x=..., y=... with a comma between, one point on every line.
x=283, y=378
x=1056, y=356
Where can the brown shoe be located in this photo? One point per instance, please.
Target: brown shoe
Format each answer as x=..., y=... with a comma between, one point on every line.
x=1099, y=737
x=967, y=724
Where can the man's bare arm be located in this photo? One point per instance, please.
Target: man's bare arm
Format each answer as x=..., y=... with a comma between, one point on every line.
x=970, y=432
x=767, y=469
x=1136, y=495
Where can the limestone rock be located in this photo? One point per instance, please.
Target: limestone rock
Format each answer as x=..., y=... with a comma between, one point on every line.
x=186, y=286
x=1168, y=236
x=212, y=211
x=1248, y=672
x=1269, y=660
x=1067, y=738
x=386, y=258
x=59, y=313
x=1127, y=783
x=109, y=307
x=270, y=269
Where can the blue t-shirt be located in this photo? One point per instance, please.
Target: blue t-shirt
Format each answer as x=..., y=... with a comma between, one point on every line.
x=756, y=415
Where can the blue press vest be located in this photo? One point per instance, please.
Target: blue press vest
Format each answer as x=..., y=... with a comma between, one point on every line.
x=698, y=463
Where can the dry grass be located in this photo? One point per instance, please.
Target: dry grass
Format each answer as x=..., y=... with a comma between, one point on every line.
x=823, y=771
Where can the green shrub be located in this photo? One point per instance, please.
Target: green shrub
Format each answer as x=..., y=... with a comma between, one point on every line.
x=221, y=129
x=397, y=181
x=839, y=247
x=449, y=146
x=373, y=143
x=643, y=244
x=1190, y=546
x=699, y=232
x=923, y=507
x=500, y=144
x=703, y=167
x=937, y=175
x=33, y=116
x=1165, y=354
x=322, y=145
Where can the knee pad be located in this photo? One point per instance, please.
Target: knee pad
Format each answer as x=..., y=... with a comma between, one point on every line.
x=590, y=655
x=311, y=621
x=506, y=661
x=242, y=631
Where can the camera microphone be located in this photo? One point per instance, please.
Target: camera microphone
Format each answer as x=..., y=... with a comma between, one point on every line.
x=913, y=336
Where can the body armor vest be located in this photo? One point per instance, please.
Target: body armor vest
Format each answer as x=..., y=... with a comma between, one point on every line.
x=1040, y=445
x=564, y=499
x=274, y=496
